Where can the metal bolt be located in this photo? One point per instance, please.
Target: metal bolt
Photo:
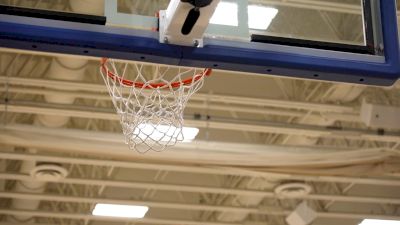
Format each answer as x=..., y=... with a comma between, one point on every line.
x=165, y=40
x=196, y=43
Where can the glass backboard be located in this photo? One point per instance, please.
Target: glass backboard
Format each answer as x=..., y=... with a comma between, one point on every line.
x=338, y=40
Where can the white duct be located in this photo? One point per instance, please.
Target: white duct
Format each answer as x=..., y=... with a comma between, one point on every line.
x=26, y=187
x=61, y=68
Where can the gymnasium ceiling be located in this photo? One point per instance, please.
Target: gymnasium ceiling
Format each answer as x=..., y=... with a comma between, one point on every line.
x=256, y=133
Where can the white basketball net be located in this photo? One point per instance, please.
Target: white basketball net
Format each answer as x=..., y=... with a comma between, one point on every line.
x=150, y=100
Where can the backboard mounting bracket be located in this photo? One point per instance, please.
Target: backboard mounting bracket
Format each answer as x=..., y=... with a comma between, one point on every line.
x=168, y=39
x=183, y=23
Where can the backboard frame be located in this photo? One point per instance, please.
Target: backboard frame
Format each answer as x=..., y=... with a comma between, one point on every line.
x=142, y=45
x=370, y=46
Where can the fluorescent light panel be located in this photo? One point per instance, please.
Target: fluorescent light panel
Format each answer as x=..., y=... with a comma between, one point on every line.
x=259, y=17
x=163, y=133
x=226, y=13
x=125, y=211
x=379, y=222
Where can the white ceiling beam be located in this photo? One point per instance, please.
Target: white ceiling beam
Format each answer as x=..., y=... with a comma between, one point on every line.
x=187, y=222
x=224, y=124
x=26, y=223
x=99, y=143
x=15, y=134
x=143, y=185
x=190, y=104
x=189, y=188
x=101, y=88
x=202, y=169
x=77, y=216
x=168, y=205
x=188, y=206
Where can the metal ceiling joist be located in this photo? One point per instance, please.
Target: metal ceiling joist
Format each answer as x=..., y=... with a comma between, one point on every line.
x=77, y=216
x=100, y=88
x=187, y=206
x=187, y=188
x=170, y=221
x=142, y=185
x=224, y=124
x=210, y=106
x=170, y=205
x=200, y=169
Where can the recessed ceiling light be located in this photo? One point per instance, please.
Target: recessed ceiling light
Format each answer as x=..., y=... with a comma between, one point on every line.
x=164, y=133
x=379, y=222
x=260, y=17
x=114, y=210
x=226, y=14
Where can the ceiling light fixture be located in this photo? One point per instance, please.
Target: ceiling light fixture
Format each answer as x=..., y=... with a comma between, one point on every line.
x=125, y=211
x=226, y=14
x=379, y=222
x=260, y=17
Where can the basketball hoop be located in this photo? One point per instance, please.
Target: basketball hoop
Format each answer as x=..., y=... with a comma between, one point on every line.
x=150, y=100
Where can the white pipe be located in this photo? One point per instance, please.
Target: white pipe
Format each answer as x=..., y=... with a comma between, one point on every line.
x=279, y=128
x=234, y=100
x=77, y=216
x=99, y=143
x=126, y=163
x=190, y=188
x=26, y=186
x=194, y=206
x=61, y=68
